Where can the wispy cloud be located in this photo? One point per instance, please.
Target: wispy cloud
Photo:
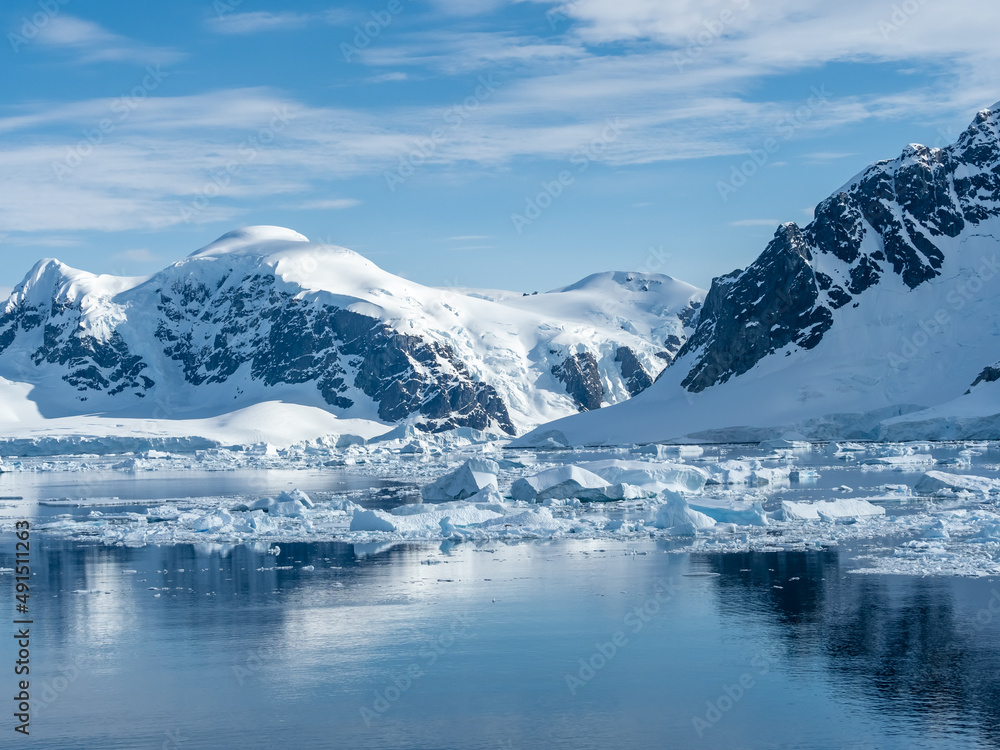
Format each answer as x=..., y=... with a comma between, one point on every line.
x=92, y=43
x=389, y=77
x=257, y=22
x=332, y=204
x=174, y=148
x=38, y=241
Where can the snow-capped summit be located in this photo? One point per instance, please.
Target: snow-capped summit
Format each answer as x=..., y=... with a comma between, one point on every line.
x=256, y=238
x=262, y=315
x=879, y=315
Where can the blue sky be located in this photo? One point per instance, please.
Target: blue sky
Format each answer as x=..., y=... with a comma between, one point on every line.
x=495, y=143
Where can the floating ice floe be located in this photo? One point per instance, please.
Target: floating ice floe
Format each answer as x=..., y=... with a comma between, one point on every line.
x=290, y=504
x=794, y=443
x=936, y=481
x=474, y=476
x=803, y=476
x=900, y=462
x=657, y=451
x=653, y=477
x=829, y=510
x=679, y=519
x=431, y=518
x=564, y=482
x=746, y=471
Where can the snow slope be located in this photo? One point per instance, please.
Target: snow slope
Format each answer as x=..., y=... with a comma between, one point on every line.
x=877, y=320
x=263, y=316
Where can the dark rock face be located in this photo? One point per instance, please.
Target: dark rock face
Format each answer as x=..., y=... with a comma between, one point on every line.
x=750, y=314
x=636, y=378
x=988, y=375
x=289, y=339
x=889, y=221
x=582, y=378
x=92, y=364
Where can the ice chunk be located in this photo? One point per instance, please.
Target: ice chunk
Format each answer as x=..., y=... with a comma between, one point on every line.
x=473, y=476
x=676, y=512
x=561, y=482
x=937, y=530
x=262, y=449
x=655, y=477
x=535, y=522
x=789, y=442
x=654, y=450
x=829, y=509
x=935, y=481
x=740, y=514
x=371, y=520
x=803, y=476
x=291, y=504
x=745, y=471
x=426, y=519
x=899, y=462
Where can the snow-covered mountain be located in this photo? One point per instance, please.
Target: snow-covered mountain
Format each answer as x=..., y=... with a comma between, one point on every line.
x=878, y=319
x=263, y=315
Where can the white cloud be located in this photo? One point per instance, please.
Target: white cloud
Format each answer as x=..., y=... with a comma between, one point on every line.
x=205, y=158
x=333, y=204
x=92, y=43
x=389, y=77
x=262, y=21
x=38, y=241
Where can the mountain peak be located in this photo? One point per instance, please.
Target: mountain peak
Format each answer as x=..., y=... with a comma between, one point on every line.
x=241, y=239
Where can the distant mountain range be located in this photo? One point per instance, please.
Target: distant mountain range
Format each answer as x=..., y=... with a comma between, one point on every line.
x=878, y=320
x=264, y=315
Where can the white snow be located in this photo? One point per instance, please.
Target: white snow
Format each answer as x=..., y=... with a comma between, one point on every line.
x=509, y=341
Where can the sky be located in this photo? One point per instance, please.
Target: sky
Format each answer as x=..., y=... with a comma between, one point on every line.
x=516, y=144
